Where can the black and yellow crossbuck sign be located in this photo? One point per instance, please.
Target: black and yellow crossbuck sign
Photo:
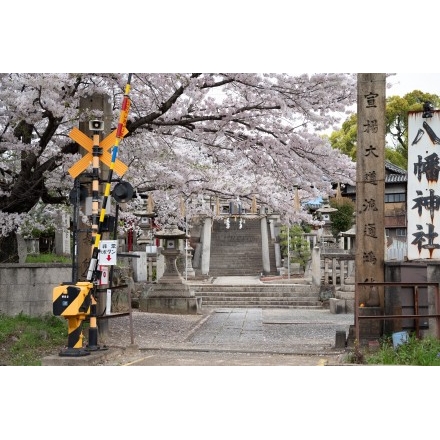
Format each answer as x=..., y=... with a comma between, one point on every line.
x=87, y=143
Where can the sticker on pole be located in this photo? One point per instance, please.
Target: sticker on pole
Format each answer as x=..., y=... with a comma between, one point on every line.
x=104, y=275
x=107, y=252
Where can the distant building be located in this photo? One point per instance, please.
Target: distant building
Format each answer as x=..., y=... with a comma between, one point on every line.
x=396, y=180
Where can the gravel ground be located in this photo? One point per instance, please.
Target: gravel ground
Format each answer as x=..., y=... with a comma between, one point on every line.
x=150, y=329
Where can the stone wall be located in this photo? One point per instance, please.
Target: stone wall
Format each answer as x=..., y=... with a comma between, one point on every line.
x=27, y=288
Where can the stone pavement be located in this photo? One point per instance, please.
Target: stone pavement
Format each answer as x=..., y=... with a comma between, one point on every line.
x=275, y=330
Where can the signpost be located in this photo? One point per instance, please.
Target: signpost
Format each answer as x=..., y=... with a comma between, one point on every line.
x=107, y=252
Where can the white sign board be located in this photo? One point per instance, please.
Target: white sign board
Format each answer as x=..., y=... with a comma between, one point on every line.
x=423, y=200
x=107, y=252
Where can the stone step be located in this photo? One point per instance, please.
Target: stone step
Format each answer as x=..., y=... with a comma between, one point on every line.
x=262, y=295
x=241, y=247
x=252, y=300
x=234, y=272
x=274, y=305
x=259, y=295
x=244, y=261
x=221, y=256
x=236, y=252
x=284, y=290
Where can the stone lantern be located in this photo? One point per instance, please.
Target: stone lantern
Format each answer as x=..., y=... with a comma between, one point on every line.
x=170, y=237
x=325, y=210
x=171, y=294
x=146, y=225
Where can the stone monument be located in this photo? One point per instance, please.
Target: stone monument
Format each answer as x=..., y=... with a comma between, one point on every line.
x=370, y=187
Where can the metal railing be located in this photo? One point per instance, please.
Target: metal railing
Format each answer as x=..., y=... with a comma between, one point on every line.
x=416, y=315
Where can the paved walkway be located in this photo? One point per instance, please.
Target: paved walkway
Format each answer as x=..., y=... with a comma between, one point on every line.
x=271, y=330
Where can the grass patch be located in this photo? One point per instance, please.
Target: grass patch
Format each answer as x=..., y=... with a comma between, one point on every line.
x=416, y=352
x=419, y=352
x=47, y=258
x=25, y=340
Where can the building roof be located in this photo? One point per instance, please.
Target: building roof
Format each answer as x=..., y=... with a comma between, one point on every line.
x=394, y=174
x=394, y=168
x=396, y=178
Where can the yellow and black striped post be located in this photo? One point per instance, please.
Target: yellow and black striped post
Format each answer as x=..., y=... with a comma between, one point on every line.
x=73, y=303
x=93, y=273
x=96, y=154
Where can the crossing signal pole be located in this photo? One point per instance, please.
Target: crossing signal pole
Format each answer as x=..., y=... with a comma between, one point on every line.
x=75, y=302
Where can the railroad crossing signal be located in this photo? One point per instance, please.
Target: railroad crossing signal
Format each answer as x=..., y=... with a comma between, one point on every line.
x=87, y=143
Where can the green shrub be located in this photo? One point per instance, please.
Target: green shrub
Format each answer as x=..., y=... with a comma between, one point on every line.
x=341, y=220
x=299, y=246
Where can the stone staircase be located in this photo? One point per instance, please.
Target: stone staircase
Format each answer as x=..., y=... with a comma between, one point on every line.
x=258, y=296
x=238, y=252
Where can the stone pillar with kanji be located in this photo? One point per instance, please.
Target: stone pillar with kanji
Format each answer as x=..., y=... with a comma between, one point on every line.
x=370, y=189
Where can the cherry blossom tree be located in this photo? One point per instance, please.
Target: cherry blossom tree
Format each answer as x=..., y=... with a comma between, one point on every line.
x=191, y=136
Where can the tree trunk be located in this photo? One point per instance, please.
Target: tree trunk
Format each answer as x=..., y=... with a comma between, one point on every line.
x=9, y=249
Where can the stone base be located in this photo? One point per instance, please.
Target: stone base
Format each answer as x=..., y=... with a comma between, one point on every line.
x=179, y=305
x=170, y=298
x=369, y=329
x=94, y=358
